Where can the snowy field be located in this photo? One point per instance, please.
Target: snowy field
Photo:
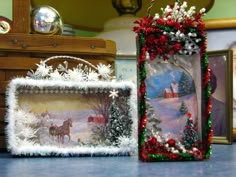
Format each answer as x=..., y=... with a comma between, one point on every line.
x=172, y=121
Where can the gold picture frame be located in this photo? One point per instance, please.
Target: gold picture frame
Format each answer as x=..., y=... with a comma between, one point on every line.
x=220, y=63
x=224, y=24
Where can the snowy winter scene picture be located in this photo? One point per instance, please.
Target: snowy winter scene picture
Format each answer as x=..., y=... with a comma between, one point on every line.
x=72, y=120
x=171, y=97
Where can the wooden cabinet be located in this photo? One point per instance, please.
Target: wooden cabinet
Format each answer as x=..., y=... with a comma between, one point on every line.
x=21, y=51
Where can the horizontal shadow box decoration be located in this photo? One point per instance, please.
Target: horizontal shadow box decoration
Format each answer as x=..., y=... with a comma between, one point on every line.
x=71, y=112
x=174, y=99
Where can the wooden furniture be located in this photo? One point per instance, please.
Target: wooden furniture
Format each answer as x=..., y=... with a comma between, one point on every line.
x=20, y=51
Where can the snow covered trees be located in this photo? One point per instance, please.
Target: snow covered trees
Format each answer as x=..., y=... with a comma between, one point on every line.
x=186, y=85
x=119, y=124
x=153, y=120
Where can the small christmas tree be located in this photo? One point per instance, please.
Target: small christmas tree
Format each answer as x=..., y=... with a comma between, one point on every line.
x=191, y=137
x=183, y=108
x=119, y=124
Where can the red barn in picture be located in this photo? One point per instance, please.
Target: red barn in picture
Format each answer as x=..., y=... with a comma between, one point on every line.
x=96, y=119
x=173, y=91
x=167, y=93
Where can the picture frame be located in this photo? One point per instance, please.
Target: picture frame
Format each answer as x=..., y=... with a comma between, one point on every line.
x=61, y=112
x=220, y=63
x=232, y=47
x=223, y=30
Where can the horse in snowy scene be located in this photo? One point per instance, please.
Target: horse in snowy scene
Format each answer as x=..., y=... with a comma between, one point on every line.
x=61, y=131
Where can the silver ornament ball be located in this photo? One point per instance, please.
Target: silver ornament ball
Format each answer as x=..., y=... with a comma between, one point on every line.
x=46, y=20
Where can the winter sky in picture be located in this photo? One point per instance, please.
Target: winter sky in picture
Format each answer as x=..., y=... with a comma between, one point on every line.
x=172, y=95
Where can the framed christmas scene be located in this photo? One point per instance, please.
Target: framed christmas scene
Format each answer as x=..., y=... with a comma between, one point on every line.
x=221, y=83
x=174, y=99
x=71, y=112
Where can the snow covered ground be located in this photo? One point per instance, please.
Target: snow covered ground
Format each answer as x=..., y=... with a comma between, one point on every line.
x=172, y=121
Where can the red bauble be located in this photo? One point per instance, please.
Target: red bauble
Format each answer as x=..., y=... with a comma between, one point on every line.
x=170, y=22
x=171, y=142
x=171, y=52
x=160, y=21
x=173, y=156
x=177, y=46
x=163, y=39
x=189, y=115
x=152, y=141
x=150, y=38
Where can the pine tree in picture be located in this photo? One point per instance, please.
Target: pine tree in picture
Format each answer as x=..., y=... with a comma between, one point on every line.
x=184, y=85
x=153, y=120
x=119, y=123
x=191, y=138
x=183, y=108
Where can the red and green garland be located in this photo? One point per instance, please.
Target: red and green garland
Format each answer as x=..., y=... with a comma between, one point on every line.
x=176, y=32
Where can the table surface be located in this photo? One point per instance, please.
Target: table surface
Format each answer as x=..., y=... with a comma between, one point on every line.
x=221, y=164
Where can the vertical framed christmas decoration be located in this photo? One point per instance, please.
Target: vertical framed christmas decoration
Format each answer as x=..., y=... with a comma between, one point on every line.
x=174, y=98
x=71, y=112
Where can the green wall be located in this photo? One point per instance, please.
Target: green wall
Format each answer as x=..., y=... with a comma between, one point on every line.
x=6, y=8
x=221, y=9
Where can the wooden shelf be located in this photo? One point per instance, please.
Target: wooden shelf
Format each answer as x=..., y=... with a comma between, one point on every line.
x=55, y=43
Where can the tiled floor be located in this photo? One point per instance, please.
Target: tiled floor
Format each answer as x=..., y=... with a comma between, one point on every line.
x=221, y=164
